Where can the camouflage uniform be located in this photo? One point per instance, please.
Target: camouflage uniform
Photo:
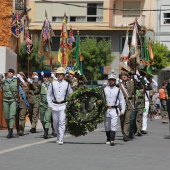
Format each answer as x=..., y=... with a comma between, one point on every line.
x=128, y=90
x=45, y=112
x=21, y=113
x=34, y=100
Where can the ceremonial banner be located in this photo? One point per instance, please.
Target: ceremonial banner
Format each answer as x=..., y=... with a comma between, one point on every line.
x=134, y=59
x=16, y=25
x=29, y=45
x=125, y=55
x=63, y=43
x=71, y=40
x=148, y=67
x=76, y=65
x=45, y=40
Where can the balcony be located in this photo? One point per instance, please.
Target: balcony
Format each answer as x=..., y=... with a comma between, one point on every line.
x=125, y=20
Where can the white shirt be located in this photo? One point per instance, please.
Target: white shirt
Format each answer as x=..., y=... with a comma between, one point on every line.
x=59, y=88
x=147, y=95
x=111, y=95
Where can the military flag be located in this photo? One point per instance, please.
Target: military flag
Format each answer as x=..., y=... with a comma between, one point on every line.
x=63, y=43
x=76, y=63
x=16, y=25
x=71, y=40
x=148, y=66
x=45, y=41
x=29, y=44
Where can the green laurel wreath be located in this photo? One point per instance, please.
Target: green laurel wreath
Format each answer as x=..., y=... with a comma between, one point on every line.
x=80, y=122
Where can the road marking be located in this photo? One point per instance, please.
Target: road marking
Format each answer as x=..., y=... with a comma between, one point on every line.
x=36, y=143
x=28, y=145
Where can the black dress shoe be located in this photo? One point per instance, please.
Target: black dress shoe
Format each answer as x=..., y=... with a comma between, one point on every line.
x=33, y=130
x=139, y=134
x=144, y=132
x=125, y=139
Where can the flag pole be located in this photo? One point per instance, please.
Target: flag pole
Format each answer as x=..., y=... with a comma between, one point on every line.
x=28, y=66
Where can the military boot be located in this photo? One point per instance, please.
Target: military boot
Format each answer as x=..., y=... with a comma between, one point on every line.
x=33, y=130
x=46, y=133
x=10, y=133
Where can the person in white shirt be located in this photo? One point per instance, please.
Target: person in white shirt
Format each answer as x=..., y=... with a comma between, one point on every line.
x=115, y=100
x=57, y=93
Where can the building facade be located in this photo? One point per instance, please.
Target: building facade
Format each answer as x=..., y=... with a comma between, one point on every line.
x=97, y=18
x=162, y=33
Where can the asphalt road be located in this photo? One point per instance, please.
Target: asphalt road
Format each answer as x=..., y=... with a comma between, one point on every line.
x=32, y=152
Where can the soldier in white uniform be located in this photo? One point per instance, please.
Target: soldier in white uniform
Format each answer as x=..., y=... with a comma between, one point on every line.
x=115, y=107
x=57, y=93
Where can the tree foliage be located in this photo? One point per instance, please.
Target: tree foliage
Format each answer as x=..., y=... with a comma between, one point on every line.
x=95, y=54
x=23, y=57
x=161, y=52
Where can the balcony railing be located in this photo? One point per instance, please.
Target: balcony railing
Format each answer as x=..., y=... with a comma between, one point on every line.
x=125, y=20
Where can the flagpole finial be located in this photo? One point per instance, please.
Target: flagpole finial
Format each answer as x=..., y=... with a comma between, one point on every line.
x=46, y=14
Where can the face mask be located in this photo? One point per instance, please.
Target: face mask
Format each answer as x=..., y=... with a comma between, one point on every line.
x=46, y=83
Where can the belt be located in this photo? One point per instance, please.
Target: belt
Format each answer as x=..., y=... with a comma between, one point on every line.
x=59, y=102
x=110, y=107
x=140, y=97
x=116, y=107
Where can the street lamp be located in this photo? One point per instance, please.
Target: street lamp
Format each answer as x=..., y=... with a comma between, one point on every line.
x=20, y=5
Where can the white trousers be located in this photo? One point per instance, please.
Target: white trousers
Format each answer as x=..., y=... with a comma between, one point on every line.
x=59, y=123
x=145, y=116
x=110, y=121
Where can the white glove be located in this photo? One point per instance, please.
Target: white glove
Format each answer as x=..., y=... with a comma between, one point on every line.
x=18, y=75
x=79, y=72
x=29, y=80
x=20, y=78
x=137, y=73
x=146, y=80
x=42, y=73
x=52, y=75
x=135, y=77
x=35, y=78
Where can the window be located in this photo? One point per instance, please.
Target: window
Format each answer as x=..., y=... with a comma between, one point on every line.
x=165, y=15
x=57, y=19
x=77, y=19
x=131, y=5
x=166, y=18
x=94, y=12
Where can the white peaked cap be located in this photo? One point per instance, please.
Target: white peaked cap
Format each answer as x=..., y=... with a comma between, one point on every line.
x=112, y=76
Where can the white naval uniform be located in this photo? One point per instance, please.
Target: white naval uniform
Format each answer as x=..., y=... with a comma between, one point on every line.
x=145, y=114
x=58, y=110
x=111, y=116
